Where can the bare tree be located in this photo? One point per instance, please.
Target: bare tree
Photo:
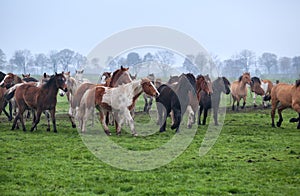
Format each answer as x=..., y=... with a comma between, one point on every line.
x=247, y=59
x=41, y=60
x=285, y=64
x=80, y=61
x=66, y=57
x=268, y=60
x=296, y=64
x=165, y=59
x=54, y=59
x=22, y=59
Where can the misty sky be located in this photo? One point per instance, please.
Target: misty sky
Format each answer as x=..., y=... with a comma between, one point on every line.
x=222, y=27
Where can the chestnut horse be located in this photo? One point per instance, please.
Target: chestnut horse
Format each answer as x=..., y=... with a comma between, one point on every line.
x=288, y=96
x=175, y=98
x=239, y=90
x=221, y=84
x=119, y=100
x=120, y=76
x=39, y=98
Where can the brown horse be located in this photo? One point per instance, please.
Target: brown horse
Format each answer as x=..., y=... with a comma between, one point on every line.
x=262, y=88
x=120, y=76
x=119, y=100
x=288, y=96
x=39, y=98
x=239, y=90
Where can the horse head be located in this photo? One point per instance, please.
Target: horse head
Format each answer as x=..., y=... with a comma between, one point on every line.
x=222, y=84
x=60, y=81
x=120, y=76
x=149, y=88
x=245, y=78
x=9, y=80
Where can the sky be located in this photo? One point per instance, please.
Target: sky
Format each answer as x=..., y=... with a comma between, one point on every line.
x=223, y=28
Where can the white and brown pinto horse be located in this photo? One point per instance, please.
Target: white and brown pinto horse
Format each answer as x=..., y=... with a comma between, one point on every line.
x=262, y=88
x=239, y=90
x=119, y=100
x=288, y=96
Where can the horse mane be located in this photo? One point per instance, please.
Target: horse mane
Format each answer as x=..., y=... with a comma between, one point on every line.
x=255, y=80
x=2, y=75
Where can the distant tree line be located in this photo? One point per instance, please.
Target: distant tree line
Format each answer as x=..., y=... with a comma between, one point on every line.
x=23, y=61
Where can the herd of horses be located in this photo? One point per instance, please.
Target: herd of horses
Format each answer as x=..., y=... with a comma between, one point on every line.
x=115, y=98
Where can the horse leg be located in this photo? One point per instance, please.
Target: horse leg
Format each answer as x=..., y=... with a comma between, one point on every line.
x=9, y=116
x=149, y=105
x=233, y=101
x=103, y=122
x=205, y=115
x=71, y=115
x=146, y=104
x=177, y=119
x=52, y=113
x=274, y=106
x=280, y=108
x=37, y=120
x=163, y=121
x=199, y=114
x=129, y=119
x=254, y=100
x=48, y=119
x=244, y=102
x=298, y=127
x=216, y=110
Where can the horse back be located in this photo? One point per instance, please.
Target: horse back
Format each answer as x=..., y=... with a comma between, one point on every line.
x=80, y=92
x=282, y=93
x=236, y=89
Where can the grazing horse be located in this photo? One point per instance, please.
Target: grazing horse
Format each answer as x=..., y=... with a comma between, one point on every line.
x=148, y=99
x=39, y=98
x=288, y=96
x=175, y=98
x=119, y=100
x=221, y=84
x=239, y=90
x=120, y=76
x=262, y=88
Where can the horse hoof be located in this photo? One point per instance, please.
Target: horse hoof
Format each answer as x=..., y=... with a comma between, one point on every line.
x=135, y=135
x=278, y=124
x=162, y=130
x=108, y=133
x=255, y=105
x=48, y=129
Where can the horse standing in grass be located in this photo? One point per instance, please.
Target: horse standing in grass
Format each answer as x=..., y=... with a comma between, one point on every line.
x=120, y=76
x=39, y=98
x=239, y=90
x=221, y=84
x=288, y=96
x=262, y=88
x=175, y=98
x=119, y=100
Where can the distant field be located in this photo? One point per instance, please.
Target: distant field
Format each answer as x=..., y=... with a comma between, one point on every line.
x=249, y=158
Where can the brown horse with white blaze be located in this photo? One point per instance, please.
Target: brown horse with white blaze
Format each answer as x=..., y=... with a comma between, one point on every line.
x=288, y=96
x=39, y=98
x=239, y=90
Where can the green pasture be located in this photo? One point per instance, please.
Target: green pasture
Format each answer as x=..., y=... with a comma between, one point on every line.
x=248, y=158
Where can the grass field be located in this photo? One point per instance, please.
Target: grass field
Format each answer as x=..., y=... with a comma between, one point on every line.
x=249, y=157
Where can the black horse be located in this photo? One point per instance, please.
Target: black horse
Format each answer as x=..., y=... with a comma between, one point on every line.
x=221, y=84
x=175, y=98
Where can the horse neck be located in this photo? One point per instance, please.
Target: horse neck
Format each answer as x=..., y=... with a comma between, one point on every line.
x=242, y=84
x=50, y=89
x=72, y=85
x=137, y=88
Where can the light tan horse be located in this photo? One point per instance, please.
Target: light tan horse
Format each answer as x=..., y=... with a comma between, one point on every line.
x=239, y=90
x=288, y=96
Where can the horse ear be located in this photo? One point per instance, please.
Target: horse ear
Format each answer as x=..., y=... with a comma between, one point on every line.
x=28, y=75
x=45, y=75
x=23, y=75
x=55, y=73
x=82, y=71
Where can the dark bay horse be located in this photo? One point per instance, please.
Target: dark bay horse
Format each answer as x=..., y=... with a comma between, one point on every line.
x=262, y=88
x=149, y=99
x=119, y=100
x=39, y=98
x=288, y=96
x=239, y=90
x=175, y=98
x=221, y=84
